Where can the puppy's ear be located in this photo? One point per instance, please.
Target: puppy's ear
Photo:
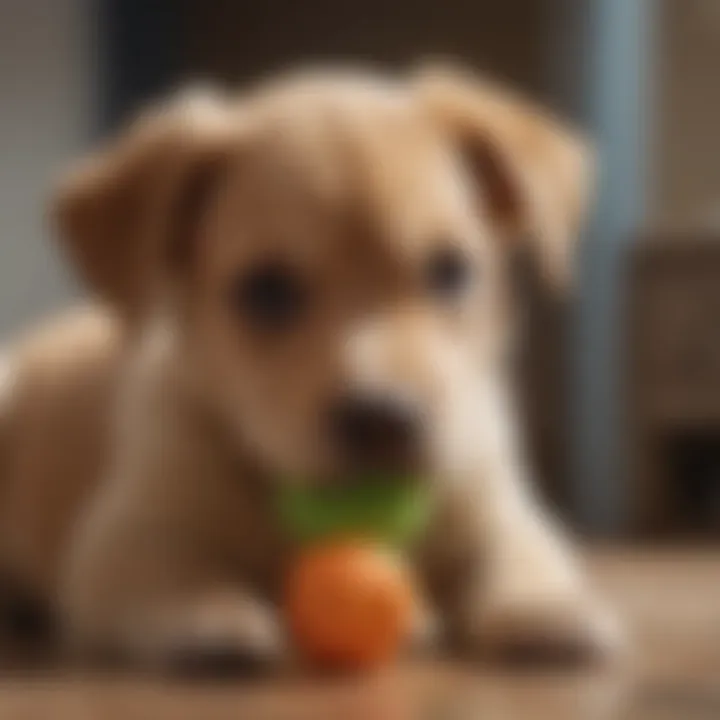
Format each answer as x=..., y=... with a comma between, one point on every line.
x=129, y=208
x=534, y=174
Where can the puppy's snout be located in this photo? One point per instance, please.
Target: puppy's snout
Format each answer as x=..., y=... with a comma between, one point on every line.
x=375, y=432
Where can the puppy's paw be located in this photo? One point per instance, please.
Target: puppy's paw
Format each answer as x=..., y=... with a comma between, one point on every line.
x=220, y=636
x=526, y=631
x=425, y=631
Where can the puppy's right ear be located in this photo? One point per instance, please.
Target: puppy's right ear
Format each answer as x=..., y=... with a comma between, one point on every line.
x=534, y=172
x=120, y=212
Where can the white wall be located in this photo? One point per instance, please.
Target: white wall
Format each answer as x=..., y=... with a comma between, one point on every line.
x=46, y=76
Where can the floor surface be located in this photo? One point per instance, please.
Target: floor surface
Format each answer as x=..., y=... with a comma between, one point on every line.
x=670, y=601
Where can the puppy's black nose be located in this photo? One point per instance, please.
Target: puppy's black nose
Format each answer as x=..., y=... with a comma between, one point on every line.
x=375, y=432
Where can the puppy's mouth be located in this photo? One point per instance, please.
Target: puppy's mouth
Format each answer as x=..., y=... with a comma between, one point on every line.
x=373, y=471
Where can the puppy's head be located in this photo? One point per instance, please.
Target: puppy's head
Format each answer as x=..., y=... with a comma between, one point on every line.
x=329, y=253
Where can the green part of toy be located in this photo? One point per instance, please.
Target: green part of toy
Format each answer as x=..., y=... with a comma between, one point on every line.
x=392, y=511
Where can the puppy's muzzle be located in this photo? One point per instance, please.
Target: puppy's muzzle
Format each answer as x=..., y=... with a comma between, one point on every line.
x=372, y=433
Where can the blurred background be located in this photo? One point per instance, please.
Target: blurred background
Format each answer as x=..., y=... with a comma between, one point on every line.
x=622, y=387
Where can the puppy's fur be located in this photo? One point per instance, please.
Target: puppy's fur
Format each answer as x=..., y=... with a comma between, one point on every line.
x=141, y=438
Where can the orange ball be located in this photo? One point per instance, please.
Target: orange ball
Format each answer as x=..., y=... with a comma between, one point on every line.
x=349, y=604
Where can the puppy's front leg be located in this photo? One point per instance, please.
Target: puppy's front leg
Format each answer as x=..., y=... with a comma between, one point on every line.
x=168, y=562
x=514, y=588
x=218, y=631
x=155, y=597
x=529, y=600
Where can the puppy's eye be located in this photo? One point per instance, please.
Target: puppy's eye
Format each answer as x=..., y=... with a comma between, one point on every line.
x=448, y=273
x=270, y=297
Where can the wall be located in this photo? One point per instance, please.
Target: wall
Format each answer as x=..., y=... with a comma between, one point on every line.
x=685, y=176
x=619, y=55
x=45, y=83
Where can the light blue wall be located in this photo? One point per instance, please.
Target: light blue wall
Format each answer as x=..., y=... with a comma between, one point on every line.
x=618, y=38
x=46, y=89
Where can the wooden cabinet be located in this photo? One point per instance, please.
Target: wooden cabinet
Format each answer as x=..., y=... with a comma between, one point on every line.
x=673, y=386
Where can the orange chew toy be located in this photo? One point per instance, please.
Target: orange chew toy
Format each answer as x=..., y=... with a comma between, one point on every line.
x=349, y=604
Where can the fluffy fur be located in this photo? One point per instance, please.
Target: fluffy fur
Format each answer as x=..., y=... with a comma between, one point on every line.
x=141, y=437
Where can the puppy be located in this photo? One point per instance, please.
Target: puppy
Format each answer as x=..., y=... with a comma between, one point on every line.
x=294, y=284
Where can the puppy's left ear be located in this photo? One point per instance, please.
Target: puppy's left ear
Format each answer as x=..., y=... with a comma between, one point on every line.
x=533, y=173
x=126, y=213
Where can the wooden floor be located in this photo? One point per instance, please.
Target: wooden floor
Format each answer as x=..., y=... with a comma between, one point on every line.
x=671, y=601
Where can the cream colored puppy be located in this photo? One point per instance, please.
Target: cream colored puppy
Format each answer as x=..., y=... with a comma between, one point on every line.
x=300, y=282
